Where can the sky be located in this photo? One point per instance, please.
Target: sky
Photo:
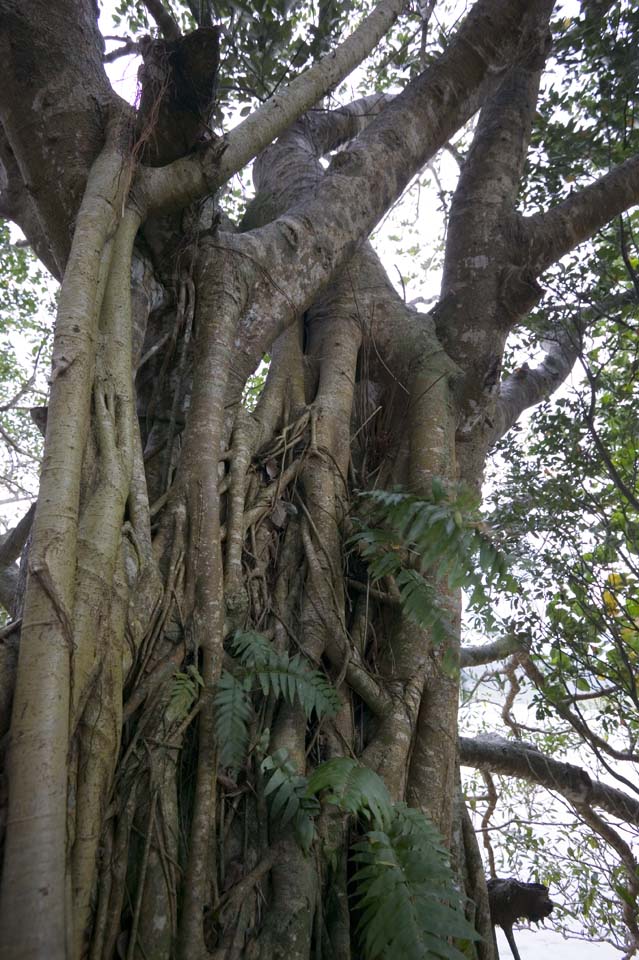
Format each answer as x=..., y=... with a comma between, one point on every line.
x=544, y=944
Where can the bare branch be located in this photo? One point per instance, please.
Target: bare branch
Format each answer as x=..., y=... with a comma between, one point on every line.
x=599, y=745
x=16, y=205
x=63, y=48
x=167, y=25
x=562, y=228
x=515, y=759
x=528, y=386
x=12, y=543
x=128, y=48
x=425, y=116
x=476, y=656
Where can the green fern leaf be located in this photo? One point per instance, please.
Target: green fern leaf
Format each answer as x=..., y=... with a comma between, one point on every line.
x=184, y=693
x=352, y=787
x=405, y=892
x=284, y=676
x=233, y=713
x=289, y=798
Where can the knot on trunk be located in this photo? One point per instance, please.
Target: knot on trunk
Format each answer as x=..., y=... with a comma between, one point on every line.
x=177, y=83
x=510, y=900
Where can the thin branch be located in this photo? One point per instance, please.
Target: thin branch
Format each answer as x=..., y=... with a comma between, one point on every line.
x=128, y=48
x=166, y=24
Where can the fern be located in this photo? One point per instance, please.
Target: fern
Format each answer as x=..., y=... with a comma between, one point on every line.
x=405, y=892
x=407, y=537
x=288, y=677
x=184, y=692
x=290, y=799
x=233, y=714
x=353, y=788
x=276, y=673
x=404, y=888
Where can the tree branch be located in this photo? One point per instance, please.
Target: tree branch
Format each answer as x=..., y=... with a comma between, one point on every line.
x=167, y=25
x=53, y=99
x=562, y=228
x=514, y=759
x=598, y=744
x=327, y=228
x=425, y=115
x=180, y=182
x=16, y=205
x=528, y=386
x=476, y=656
x=12, y=543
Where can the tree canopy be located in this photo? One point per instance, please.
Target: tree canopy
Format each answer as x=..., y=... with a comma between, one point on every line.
x=321, y=562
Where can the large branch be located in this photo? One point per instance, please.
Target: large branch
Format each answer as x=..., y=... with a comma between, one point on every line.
x=559, y=230
x=184, y=180
x=486, y=193
x=513, y=759
x=528, y=386
x=16, y=205
x=480, y=654
x=11, y=546
x=53, y=97
x=325, y=231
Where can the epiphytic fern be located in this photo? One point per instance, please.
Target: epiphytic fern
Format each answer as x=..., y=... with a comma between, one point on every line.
x=407, y=537
x=405, y=893
x=260, y=665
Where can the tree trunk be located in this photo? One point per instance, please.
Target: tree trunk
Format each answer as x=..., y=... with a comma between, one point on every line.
x=173, y=516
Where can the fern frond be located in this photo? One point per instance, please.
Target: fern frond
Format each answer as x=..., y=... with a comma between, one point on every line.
x=405, y=892
x=232, y=717
x=408, y=537
x=284, y=676
x=289, y=798
x=353, y=788
x=184, y=693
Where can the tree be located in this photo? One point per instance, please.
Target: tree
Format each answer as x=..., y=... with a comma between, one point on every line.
x=235, y=705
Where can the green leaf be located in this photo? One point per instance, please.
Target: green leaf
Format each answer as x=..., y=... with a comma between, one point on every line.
x=233, y=713
x=353, y=788
x=405, y=890
x=288, y=677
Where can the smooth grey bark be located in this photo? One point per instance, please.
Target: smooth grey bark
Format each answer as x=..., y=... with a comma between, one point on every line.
x=515, y=759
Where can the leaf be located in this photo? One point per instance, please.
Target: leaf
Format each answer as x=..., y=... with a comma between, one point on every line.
x=288, y=677
x=184, y=693
x=353, y=788
x=233, y=713
x=406, y=894
x=289, y=799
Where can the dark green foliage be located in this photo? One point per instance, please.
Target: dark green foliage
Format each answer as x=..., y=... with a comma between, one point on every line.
x=233, y=714
x=284, y=676
x=290, y=799
x=353, y=788
x=276, y=674
x=422, y=542
x=404, y=888
x=185, y=691
x=405, y=892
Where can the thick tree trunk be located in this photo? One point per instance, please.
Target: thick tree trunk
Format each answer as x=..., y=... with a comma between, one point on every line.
x=171, y=516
